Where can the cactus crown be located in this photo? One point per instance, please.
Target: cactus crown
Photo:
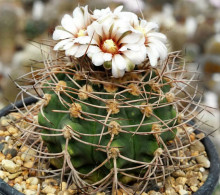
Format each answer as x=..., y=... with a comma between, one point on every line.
x=100, y=130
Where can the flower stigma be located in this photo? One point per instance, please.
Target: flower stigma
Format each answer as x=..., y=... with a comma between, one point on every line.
x=109, y=46
x=81, y=33
x=140, y=29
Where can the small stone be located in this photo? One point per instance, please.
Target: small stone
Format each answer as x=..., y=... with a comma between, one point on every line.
x=33, y=187
x=12, y=130
x=2, y=133
x=18, y=187
x=72, y=189
x=18, y=180
x=49, y=189
x=18, y=162
x=170, y=182
x=198, y=146
x=181, y=181
x=15, y=116
x=170, y=191
x=10, y=166
x=202, y=170
x=10, y=152
x=6, y=180
x=205, y=176
x=193, y=188
x=192, y=181
x=7, y=138
x=25, y=174
x=2, y=157
x=203, y=160
x=30, y=192
x=14, y=175
x=180, y=190
x=6, y=134
x=3, y=174
x=4, y=122
x=154, y=193
x=178, y=173
x=28, y=154
x=23, y=185
x=50, y=181
x=63, y=186
x=200, y=135
x=29, y=164
x=64, y=193
x=32, y=181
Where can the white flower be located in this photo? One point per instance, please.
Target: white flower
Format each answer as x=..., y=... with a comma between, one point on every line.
x=115, y=48
x=155, y=42
x=72, y=33
x=101, y=15
x=117, y=17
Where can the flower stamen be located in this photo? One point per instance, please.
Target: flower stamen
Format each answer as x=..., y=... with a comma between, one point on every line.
x=81, y=33
x=109, y=46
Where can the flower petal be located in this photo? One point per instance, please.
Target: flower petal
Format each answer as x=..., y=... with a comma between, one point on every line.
x=120, y=61
x=118, y=9
x=159, y=36
x=68, y=23
x=68, y=45
x=131, y=38
x=136, y=57
x=159, y=46
x=116, y=72
x=81, y=51
x=153, y=55
x=107, y=57
x=83, y=40
x=94, y=49
x=61, y=34
x=72, y=50
x=97, y=59
x=60, y=44
x=151, y=26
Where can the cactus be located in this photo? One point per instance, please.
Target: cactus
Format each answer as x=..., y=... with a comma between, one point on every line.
x=108, y=125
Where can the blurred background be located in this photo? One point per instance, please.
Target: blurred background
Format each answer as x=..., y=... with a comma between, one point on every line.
x=192, y=26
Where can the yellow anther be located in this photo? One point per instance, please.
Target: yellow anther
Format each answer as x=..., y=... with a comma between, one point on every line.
x=83, y=92
x=140, y=29
x=61, y=85
x=134, y=89
x=110, y=46
x=75, y=110
x=147, y=110
x=114, y=128
x=170, y=97
x=81, y=33
x=112, y=106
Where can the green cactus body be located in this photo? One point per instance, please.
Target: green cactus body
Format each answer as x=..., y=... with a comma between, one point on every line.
x=135, y=111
